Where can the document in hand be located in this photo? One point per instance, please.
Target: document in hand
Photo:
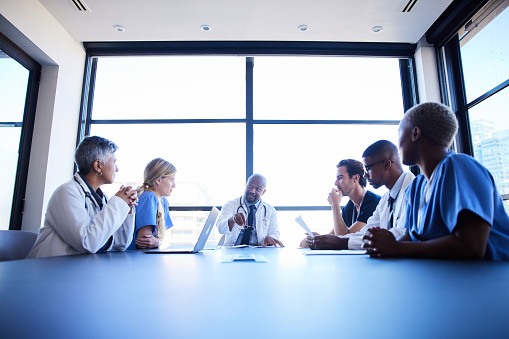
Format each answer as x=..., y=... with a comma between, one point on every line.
x=301, y=222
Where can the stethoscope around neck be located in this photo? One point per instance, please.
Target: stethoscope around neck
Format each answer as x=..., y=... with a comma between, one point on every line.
x=242, y=206
x=89, y=196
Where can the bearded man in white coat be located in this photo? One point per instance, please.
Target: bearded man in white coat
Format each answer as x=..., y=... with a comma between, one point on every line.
x=248, y=220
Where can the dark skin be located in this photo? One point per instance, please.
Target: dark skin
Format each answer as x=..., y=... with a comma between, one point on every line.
x=327, y=242
x=470, y=235
x=467, y=241
x=384, y=173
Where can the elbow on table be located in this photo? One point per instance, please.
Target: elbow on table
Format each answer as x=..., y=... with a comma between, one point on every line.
x=475, y=253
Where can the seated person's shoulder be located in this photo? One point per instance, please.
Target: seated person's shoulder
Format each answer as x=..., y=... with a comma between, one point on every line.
x=147, y=196
x=370, y=196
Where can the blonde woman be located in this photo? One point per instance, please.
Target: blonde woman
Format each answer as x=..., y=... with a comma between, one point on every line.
x=152, y=214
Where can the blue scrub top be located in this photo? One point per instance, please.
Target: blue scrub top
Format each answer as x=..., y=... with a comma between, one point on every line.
x=146, y=214
x=460, y=183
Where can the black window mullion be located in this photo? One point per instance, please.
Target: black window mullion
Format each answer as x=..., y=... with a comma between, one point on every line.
x=408, y=83
x=458, y=98
x=249, y=117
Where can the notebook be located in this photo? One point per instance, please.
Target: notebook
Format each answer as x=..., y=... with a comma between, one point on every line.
x=202, y=239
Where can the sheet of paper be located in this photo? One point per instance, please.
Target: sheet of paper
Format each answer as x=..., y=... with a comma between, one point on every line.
x=243, y=257
x=335, y=252
x=301, y=222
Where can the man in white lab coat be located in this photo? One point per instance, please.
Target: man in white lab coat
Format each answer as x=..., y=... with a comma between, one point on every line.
x=248, y=220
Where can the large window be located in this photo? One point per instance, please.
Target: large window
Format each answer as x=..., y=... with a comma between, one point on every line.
x=18, y=82
x=220, y=118
x=484, y=52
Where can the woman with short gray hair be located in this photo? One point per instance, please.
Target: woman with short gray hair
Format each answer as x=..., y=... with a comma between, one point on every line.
x=80, y=218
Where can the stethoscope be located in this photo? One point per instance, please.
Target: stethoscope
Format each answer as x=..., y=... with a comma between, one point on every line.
x=89, y=196
x=245, y=211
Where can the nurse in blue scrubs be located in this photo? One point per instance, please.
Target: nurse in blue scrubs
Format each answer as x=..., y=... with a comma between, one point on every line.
x=454, y=209
x=152, y=213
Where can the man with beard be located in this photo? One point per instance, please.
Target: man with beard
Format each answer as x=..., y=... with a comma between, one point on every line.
x=248, y=220
x=383, y=168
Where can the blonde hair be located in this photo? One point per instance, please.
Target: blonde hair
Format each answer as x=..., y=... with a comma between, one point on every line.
x=156, y=169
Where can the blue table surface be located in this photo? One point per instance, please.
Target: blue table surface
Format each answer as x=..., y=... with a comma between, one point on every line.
x=136, y=295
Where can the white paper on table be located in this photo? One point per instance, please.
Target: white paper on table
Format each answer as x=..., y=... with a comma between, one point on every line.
x=301, y=222
x=243, y=257
x=335, y=252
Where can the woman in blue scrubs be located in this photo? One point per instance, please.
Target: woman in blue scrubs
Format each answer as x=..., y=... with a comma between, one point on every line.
x=152, y=213
x=454, y=209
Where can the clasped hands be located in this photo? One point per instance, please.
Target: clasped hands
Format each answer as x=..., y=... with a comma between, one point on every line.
x=380, y=242
x=129, y=195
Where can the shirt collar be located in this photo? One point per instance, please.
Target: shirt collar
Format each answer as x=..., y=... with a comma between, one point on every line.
x=397, y=186
x=256, y=204
x=98, y=195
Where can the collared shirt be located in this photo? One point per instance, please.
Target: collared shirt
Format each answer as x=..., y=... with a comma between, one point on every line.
x=253, y=239
x=97, y=195
x=382, y=214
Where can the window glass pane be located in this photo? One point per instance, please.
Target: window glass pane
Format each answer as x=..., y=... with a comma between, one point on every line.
x=170, y=88
x=300, y=164
x=291, y=233
x=489, y=123
x=332, y=88
x=210, y=158
x=485, y=51
x=9, y=143
x=186, y=229
x=13, y=89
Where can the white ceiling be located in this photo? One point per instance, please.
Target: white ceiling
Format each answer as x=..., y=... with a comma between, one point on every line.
x=275, y=20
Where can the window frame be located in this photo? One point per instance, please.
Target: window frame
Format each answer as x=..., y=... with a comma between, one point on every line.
x=444, y=35
x=250, y=49
x=27, y=128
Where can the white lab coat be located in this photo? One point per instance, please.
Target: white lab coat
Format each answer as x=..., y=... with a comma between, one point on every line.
x=74, y=224
x=266, y=221
x=381, y=216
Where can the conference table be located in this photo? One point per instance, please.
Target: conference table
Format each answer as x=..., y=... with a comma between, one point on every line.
x=291, y=295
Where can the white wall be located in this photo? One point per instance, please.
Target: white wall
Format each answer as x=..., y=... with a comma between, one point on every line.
x=55, y=130
x=427, y=72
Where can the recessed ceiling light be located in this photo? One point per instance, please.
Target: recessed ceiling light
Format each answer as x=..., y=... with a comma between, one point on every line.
x=303, y=28
x=377, y=29
x=119, y=28
x=206, y=28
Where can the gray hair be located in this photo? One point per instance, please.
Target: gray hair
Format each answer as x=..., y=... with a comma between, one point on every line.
x=436, y=121
x=91, y=149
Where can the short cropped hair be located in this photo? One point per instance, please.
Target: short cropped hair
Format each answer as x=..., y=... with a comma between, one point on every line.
x=259, y=176
x=354, y=167
x=436, y=121
x=91, y=149
x=381, y=147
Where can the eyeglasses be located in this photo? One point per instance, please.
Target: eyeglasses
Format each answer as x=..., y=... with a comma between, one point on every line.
x=368, y=167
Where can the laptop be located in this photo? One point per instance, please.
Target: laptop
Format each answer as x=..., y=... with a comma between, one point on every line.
x=202, y=239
